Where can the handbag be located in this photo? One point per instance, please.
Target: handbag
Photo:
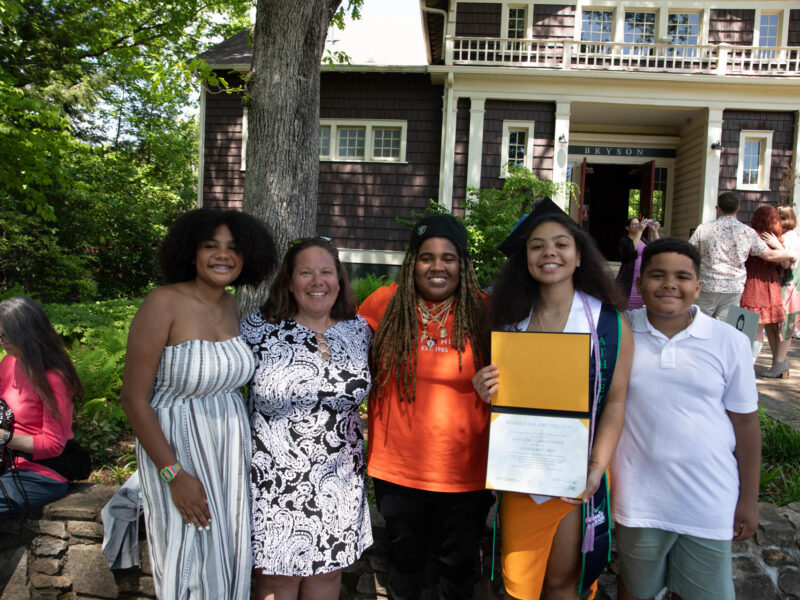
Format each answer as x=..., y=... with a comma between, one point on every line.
x=7, y=423
x=73, y=464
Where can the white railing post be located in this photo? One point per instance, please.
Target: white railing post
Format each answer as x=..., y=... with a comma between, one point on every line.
x=448, y=50
x=722, y=58
x=566, y=57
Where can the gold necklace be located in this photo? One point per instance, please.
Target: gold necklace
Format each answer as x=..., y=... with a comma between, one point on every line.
x=437, y=314
x=560, y=325
x=206, y=306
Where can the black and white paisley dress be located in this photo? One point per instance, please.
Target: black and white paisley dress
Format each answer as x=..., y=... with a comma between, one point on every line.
x=310, y=512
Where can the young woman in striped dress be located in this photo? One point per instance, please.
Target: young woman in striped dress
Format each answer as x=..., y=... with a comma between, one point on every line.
x=184, y=366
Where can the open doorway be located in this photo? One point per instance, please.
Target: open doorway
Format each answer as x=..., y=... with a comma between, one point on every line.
x=614, y=193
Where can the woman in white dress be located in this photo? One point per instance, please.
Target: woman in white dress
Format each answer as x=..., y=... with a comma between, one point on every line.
x=185, y=363
x=310, y=513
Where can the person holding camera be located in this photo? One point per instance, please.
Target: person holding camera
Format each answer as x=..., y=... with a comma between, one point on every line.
x=630, y=250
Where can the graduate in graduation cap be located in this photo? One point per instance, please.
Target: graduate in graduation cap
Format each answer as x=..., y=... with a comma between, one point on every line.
x=556, y=280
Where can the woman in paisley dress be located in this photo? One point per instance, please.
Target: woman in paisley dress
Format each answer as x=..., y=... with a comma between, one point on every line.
x=185, y=362
x=310, y=513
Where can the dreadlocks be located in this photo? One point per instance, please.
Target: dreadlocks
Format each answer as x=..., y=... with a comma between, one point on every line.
x=394, y=349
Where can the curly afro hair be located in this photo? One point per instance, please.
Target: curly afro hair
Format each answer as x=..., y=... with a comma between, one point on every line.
x=253, y=238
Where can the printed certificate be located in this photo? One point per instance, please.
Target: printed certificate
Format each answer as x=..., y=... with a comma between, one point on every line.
x=539, y=430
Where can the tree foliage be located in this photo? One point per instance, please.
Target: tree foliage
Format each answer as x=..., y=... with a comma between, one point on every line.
x=97, y=152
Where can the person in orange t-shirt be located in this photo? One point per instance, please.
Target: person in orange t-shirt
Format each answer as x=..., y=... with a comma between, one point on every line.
x=428, y=429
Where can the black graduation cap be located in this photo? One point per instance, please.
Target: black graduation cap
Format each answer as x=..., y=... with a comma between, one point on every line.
x=520, y=232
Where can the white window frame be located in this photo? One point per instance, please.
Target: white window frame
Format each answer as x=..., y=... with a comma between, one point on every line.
x=616, y=28
x=780, y=36
x=243, y=164
x=700, y=27
x=369, y=126
x=765, y=137
x=528, y=126
x=507, y=19
x=626, y=11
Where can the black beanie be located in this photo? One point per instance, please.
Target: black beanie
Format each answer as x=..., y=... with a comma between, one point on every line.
x=446, y=226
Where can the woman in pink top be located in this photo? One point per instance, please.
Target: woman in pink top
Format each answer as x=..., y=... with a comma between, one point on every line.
x=38, y=383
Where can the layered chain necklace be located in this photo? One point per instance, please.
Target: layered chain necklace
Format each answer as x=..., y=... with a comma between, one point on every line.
x=436, y=315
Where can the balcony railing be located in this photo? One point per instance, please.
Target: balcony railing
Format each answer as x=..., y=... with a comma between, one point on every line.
x=570, y=54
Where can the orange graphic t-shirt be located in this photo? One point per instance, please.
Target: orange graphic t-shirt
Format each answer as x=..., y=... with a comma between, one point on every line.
x=439, y=441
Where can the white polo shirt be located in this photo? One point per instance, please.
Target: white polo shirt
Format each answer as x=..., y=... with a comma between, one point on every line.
x=674, y=467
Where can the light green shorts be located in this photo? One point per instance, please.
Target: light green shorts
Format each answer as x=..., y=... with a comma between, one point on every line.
x=692, y=567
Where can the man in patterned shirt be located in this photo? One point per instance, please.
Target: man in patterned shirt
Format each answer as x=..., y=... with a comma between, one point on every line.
x=724, y=246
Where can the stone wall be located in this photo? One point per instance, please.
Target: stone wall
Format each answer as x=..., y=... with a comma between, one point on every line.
x=55, y=555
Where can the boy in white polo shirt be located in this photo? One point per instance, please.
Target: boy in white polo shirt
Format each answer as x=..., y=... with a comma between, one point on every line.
x=686, y=470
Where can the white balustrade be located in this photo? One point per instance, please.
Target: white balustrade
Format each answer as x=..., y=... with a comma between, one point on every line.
x=568, y=54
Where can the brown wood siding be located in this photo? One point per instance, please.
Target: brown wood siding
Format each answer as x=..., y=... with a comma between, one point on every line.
x=553, y=21
x=223, y=179
x=794, y=28
x=782, y=126
x=360, y=202
x=461, y=155
x=498, y=111
x=731, y=26
x=478, y=20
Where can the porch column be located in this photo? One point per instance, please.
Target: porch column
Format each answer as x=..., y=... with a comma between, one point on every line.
x=796, y=159
x=475, y=155
x=449, y=112
x=561, y=151
x=708, y=210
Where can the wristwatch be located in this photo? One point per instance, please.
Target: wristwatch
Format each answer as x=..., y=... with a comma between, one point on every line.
x=6, y=437
x=168, y=473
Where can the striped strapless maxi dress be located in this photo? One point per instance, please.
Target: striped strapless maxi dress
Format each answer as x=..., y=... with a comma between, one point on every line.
x=197, y=401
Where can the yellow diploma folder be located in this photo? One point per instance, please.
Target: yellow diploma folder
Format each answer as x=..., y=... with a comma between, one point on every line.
x=542, y=371
x=539, y=428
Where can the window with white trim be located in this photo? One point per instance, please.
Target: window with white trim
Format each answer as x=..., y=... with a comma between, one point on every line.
x=516, y=22
x=639, y=28
x=243, y=161
x=597, y=26
x=683, y=29
x=355, y=140
x=755, y=157
x=517, y=148
x=325, y=141
x=769, y=28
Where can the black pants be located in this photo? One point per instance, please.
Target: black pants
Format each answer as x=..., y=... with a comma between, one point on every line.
x=415, y=518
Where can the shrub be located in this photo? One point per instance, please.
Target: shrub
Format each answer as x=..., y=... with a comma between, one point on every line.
x=780, y=471
x=490, y=213
x=364, y=286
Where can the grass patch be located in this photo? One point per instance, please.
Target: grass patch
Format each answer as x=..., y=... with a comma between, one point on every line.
x=780, y=462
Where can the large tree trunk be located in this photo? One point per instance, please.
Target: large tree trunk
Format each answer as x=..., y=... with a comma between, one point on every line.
x=283, y=129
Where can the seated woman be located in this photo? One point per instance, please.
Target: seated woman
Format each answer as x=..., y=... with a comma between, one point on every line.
x=555, y=280
x=183, y=369
x=39, y=384
x=310, y=512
